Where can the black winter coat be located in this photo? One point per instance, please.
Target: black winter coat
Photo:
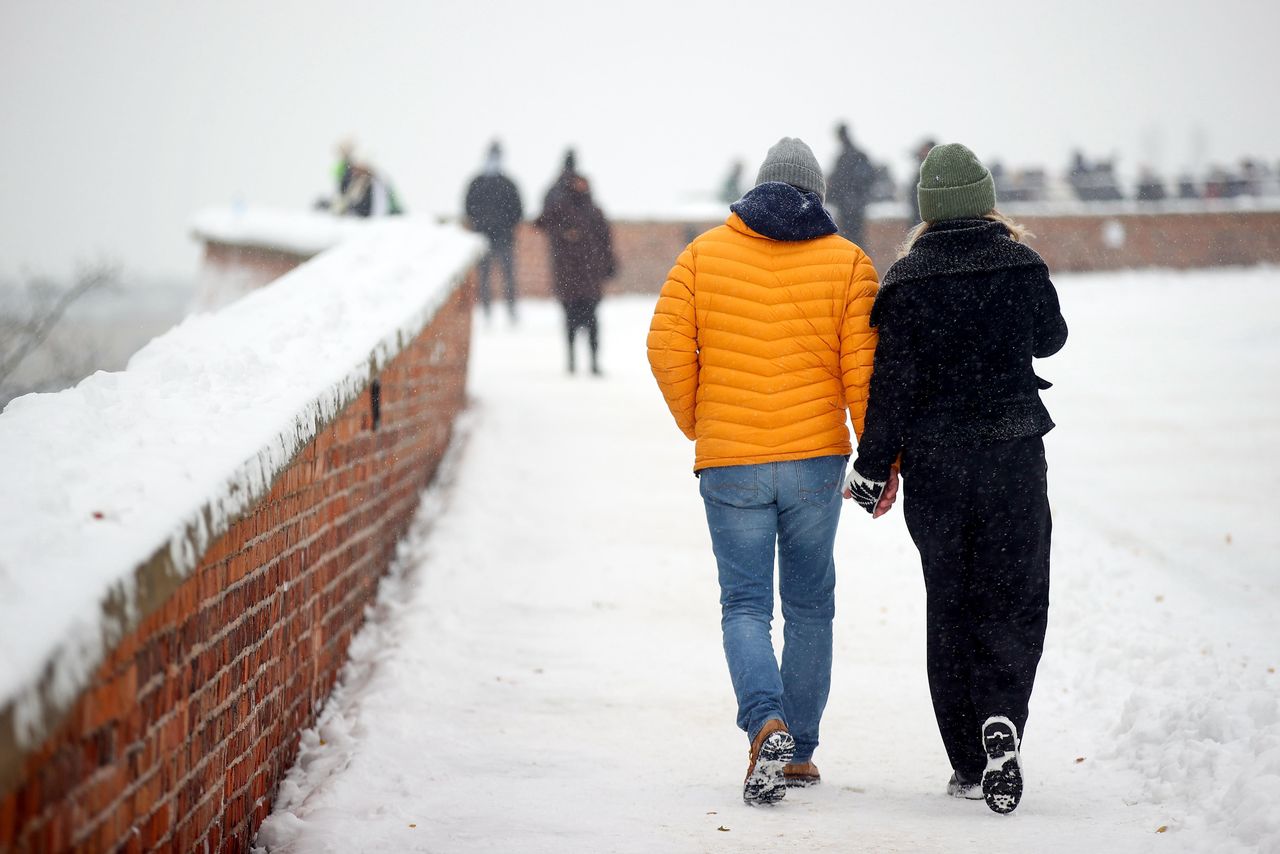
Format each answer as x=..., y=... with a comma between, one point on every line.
x=849, y=186
x=581, y=242
x=493, y=205
x=960, y=319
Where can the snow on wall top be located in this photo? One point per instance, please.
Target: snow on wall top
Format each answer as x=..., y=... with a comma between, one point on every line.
x=100, y=478
x=298, y=233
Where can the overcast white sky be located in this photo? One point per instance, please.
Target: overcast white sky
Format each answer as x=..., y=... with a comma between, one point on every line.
x=120, y=119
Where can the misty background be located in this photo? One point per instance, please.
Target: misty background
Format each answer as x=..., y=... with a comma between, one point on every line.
x=122, y=119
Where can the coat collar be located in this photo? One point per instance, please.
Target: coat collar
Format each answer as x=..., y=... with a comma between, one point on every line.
x=958, y=246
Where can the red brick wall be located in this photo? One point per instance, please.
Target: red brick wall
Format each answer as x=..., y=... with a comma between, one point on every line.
x=257, y=266
x=180, y=740
x=646, y=250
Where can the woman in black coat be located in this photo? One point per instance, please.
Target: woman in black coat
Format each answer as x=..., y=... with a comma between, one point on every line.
x=954, y=398
x=581, y=255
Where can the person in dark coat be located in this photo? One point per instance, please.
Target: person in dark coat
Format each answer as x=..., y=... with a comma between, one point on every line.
x=954, y=397
x=493, y=208
x=581, y=255
x=849, y=187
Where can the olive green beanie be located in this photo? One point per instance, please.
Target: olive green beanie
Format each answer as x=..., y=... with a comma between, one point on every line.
x=954, y=184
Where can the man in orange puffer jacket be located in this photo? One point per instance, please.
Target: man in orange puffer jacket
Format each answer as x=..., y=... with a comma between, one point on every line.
x=760, y=343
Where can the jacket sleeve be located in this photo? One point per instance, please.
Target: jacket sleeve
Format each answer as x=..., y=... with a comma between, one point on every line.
x=673, y=343
x=517, y=206
x=469, y=205
x=604, y=238
x=858, y=341
x=892, y=396
x=1050, y=327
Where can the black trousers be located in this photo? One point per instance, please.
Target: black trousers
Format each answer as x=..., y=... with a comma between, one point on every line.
x=980, y=518
x=504, y=253
x=581, y=314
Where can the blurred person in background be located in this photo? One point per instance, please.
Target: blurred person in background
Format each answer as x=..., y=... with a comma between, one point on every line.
x=731, y=189
x=883, y=189
x=493, y=208
x=581, y=255
x=919, y=153
x=1150, y=186
x=1187, y=188
x=956, y=403
x=761, y=346
x=849, y=186
x=361, y=191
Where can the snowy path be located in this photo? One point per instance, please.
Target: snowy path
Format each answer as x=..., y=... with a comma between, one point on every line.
x=546, y=674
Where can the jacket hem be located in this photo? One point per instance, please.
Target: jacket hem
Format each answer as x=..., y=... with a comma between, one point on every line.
x=758, y=459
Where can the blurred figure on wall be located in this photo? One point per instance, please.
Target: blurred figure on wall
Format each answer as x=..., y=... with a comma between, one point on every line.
x=493, y=208
x=1003, y=182
x=1218, y=184
x=1150, y=186
x=360, y=191
x=731, y=189
x=581, y=255
x=1106, y=185
x=1187, y=188
x=1093, y=181
x=920, y=153
x=849, y=186
x=1078, y=176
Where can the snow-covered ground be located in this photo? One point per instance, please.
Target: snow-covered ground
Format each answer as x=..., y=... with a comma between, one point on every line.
x=544, y=674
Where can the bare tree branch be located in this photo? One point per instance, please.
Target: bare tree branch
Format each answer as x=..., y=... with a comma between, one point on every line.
x=25, y=335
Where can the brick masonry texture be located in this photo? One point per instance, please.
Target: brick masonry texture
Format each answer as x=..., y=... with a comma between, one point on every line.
x=180, y=740
x=646, y=250
x=257, y=266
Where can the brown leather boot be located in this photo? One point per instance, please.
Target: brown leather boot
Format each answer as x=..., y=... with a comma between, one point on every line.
x=771, y=750
x=801, y=774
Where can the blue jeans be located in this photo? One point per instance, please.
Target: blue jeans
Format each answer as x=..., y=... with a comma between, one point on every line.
x=793, y=507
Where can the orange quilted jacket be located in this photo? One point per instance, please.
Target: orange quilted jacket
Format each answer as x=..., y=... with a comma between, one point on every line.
x=760, y=345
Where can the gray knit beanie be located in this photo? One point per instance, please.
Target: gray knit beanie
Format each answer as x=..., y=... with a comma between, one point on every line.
x=792, y=162
x=954, y=185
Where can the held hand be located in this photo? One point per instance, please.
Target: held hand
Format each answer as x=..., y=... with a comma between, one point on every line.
x=863, y=490
x=889, y=496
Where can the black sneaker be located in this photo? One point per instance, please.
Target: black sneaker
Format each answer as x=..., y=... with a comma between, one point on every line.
x=1002, y=781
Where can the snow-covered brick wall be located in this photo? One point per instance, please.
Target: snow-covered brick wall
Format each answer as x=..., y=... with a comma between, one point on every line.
x=244, y=250
x=304, y=233
x=189, y=543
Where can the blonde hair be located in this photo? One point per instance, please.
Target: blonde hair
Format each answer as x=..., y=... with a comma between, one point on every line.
x=1017, y=230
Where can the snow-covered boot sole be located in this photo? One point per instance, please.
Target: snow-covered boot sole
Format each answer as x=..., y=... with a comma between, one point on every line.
x=1002, y=780
x=766, y=783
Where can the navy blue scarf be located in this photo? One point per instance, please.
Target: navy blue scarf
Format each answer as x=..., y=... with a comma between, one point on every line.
x=782, y=212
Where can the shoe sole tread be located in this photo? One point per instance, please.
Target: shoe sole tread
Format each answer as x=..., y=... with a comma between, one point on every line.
x=1002, y=779
x=766, y=783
